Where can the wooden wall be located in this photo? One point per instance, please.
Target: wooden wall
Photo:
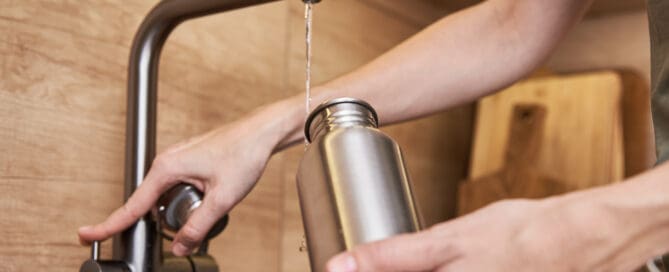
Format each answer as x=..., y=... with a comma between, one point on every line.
x=62, y=116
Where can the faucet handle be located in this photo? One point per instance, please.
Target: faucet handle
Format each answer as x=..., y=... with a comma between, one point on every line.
x=94, y=264
x=177, y=204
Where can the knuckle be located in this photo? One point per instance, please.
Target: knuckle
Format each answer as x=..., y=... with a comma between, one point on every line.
x=435, y=230
x=433, y=252
x=441, y=231
x=372, y=256
x=439, y=244
x=162, y=162
x=441, y=251
x=510, y=206
x=372, y=251
x=130, y=211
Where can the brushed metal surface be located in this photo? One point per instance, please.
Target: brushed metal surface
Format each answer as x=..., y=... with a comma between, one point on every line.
x=352, y=183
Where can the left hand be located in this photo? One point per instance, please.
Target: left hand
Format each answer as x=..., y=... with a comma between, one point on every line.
x=512, y=235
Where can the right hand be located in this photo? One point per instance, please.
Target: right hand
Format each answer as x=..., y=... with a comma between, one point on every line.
x=225, y=164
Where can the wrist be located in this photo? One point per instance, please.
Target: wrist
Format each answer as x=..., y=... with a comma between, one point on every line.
x=570, y=231
x=617, y=227
x=279, y=124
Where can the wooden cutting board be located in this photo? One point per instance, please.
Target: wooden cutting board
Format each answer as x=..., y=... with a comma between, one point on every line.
x=581, y=143
x=518, y=177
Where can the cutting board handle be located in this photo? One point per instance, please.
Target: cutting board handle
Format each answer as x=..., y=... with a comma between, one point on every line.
x=525, y=136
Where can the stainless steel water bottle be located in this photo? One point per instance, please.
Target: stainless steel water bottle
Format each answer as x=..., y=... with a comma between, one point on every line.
x=352, y=183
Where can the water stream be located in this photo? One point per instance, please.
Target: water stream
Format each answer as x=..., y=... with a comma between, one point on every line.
x=308, y=21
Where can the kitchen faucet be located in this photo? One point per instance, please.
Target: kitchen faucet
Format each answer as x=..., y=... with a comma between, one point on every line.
x=139, y=248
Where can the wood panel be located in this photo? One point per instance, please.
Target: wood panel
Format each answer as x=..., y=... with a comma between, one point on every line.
x=40, y=219
x=580, y=146
x=518, y=177
x=582, y=143
x=597, y=130
x=638, y=135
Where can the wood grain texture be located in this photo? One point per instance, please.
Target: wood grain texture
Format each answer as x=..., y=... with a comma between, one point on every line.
x=598, y=132
x=582, y=143
x=518, y=177
x=40, y=219
x=637, y=124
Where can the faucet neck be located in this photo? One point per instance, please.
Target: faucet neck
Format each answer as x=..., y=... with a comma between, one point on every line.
x=339, y=113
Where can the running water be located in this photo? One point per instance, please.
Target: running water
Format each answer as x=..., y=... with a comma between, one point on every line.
x=307, y=18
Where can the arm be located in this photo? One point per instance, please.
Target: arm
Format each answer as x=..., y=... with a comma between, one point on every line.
x=458, y=59
x=614, y=228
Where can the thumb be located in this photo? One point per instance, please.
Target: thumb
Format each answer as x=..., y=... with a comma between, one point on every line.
x=199, y=223
x=408, y=252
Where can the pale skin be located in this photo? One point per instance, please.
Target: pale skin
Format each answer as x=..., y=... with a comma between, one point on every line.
x=458, y=59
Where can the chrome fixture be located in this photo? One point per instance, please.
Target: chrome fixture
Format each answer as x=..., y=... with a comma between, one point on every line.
x=352, y=183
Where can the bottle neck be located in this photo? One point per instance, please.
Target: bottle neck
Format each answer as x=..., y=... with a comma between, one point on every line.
x=339, y=113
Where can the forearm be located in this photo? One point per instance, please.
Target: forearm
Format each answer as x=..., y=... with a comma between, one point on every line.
x=630, y=220
x=460, y=58
x=456, y=60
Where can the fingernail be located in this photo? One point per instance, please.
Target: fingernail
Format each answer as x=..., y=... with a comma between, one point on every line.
x=342, y=263
x=179, y=249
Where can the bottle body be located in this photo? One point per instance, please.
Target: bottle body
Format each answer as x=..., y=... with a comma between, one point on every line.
x=352, y=183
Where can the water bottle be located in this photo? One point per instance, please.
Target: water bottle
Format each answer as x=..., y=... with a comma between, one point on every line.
x=352, y=183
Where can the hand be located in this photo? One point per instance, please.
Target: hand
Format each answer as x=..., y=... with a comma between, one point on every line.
x=516, y=235
x=224, y=164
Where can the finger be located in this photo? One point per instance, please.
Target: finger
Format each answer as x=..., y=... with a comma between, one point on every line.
x=141, y=201
x=199, y=223
x=407, y=252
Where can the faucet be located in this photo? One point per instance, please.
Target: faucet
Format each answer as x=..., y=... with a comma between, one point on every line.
x=139, y=248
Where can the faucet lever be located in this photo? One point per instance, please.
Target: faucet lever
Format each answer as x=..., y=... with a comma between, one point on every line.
x=94, y=264
x=175, y=207
x=95, y=251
